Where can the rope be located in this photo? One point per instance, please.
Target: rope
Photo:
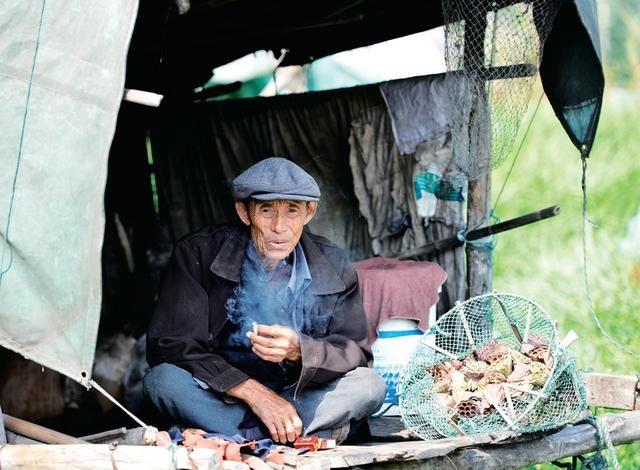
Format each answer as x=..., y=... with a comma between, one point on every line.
x=493, y=240
x=7, y=243
x=174, y=460
x=604, y=432
x=94, y=384
x=485, y=244
x=382, y=412
x=597, y=461
x=515, y=158
x=584, y=262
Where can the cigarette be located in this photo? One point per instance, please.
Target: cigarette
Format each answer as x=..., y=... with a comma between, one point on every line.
x=255, y=328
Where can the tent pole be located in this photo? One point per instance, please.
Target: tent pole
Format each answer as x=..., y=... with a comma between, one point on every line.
x=3, y=434
x=479, y=278
x=479, y=268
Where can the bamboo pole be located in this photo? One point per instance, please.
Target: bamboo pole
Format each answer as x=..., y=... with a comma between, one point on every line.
x=13, y=438
x=105, y=436
x=453, y=242
x=145, y=98
x=37, y=432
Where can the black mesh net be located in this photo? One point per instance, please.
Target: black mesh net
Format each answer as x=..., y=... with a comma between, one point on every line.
x=492, y=50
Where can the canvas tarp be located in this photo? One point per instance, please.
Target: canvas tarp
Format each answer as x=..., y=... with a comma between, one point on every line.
x=62, y=74
x=571, y=71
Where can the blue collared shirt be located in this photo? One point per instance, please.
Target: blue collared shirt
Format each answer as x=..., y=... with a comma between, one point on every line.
x=274, y=296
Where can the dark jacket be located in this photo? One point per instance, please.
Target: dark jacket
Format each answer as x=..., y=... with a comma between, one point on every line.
x=204, y=269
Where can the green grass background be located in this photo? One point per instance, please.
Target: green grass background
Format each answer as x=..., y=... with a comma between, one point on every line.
x=545, y=260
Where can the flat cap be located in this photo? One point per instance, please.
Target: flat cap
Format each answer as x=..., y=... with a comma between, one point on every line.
x=275, y=178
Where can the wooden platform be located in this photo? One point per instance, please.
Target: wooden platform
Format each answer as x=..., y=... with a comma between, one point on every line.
x=392, y=446
x=486, y=451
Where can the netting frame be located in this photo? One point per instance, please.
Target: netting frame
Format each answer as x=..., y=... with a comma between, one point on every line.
x=493, y=52
x=563, y=362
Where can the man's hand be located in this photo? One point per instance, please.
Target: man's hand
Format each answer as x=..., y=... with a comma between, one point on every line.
x=275, y=343
x=278, y=415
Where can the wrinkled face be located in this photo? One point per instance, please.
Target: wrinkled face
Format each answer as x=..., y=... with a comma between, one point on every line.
x=276, y=226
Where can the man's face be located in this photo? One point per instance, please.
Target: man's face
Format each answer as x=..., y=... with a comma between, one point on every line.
x=276, y=226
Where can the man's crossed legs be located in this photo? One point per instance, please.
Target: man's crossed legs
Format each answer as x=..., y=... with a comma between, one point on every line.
x=326, y=411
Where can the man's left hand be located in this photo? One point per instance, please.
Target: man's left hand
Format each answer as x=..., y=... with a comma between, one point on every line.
x=275, y=343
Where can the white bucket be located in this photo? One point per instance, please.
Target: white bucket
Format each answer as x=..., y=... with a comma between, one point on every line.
x=397, y=339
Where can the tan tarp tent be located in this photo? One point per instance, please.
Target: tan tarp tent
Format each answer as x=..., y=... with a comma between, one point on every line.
x=62, y=69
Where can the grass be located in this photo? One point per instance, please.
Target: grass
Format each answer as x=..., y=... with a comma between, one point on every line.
x=545, y=260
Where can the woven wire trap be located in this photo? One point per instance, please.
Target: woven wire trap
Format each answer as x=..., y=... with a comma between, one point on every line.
x=495, y=362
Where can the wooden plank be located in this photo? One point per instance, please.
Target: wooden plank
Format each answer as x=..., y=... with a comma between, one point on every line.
x=466, y=452
x=347, y=456
x=484, y=451
x=105, y=457
x=612, y=391
x=570, y=441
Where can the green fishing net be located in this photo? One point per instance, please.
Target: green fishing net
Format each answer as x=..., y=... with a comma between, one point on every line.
x=493, y=50
x=492, y=363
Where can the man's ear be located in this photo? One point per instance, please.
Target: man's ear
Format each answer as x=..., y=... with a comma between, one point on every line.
x=312, y=207
x=241, y=210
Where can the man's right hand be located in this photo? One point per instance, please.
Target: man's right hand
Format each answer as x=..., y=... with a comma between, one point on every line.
x=277, y=414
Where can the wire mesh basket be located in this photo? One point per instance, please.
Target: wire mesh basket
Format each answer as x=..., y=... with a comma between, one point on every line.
x=496, y=363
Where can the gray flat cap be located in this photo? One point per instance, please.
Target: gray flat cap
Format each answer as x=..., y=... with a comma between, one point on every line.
x=275, y=178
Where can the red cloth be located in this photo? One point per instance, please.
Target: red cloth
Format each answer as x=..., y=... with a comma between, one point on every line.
x=395, y=288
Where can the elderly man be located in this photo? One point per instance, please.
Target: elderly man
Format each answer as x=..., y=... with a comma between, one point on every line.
x=259, y=329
